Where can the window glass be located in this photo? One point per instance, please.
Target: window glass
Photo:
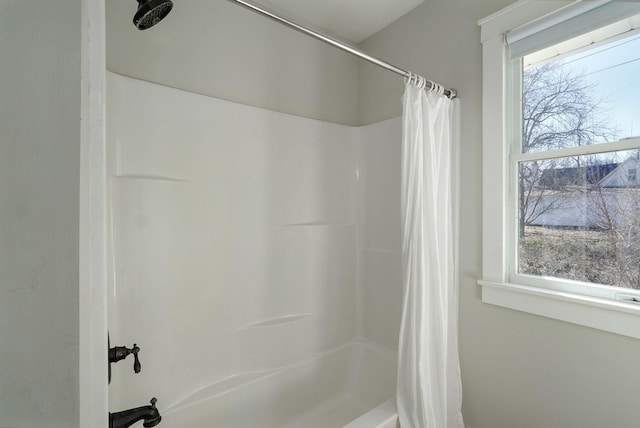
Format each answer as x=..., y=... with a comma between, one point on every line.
x=578, y=204
x=576, y=99
x=580, y=218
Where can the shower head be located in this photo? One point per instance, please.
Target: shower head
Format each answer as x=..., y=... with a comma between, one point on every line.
x=150, y=12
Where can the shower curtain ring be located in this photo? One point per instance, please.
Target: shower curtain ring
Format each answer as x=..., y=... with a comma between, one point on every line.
x=436, y=87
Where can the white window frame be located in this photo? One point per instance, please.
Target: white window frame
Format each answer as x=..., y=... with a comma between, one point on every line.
x=600, y=307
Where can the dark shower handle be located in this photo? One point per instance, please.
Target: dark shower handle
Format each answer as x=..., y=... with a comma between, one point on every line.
x=136, y=362
x=121, y=352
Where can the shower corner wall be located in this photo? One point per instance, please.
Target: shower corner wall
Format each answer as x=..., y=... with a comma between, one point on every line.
x=379, y=214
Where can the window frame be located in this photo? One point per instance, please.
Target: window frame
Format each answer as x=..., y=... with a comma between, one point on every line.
x=602, y=307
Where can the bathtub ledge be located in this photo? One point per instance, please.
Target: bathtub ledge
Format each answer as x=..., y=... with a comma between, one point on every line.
x=383, y=416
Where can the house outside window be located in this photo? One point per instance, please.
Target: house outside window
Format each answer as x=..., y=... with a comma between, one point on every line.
x=561, y=153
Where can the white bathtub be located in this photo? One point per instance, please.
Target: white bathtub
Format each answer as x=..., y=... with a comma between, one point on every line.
x=383, y=416
x=350, y=386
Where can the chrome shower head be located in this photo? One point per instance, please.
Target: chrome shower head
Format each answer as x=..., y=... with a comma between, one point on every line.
x=150, y=12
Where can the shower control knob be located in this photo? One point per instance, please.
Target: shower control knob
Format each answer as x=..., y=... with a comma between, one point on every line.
x=136, y=362
x=118, y=353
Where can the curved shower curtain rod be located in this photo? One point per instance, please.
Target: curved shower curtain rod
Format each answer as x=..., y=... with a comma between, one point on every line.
x=451, y=93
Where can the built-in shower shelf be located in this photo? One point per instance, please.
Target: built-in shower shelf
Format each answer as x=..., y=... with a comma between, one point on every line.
x=286, y=319
x=152, y=177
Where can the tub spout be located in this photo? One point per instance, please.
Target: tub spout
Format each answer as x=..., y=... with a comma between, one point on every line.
x=126, y=418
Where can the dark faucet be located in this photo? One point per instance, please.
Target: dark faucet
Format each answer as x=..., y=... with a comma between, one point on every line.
x=126, y=418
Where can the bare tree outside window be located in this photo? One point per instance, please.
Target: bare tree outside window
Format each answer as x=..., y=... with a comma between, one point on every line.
x=558, y=110
x=616, y=213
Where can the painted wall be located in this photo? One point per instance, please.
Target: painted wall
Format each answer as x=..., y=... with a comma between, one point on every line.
x=220, y=49
x=518, y=370
x=39, y=212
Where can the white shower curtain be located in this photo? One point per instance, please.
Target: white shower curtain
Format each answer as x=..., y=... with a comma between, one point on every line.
x=429, y=393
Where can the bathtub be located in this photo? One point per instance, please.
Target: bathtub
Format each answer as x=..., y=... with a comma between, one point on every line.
x=351, y=386
x=383, y=416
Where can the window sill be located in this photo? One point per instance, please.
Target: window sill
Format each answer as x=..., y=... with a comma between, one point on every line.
x=612, y=316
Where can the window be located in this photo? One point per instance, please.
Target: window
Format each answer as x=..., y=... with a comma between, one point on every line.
x=561, y=152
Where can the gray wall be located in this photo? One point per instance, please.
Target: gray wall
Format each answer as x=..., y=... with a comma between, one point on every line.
x=39, y=212
x=220, y=49
x=518, y=370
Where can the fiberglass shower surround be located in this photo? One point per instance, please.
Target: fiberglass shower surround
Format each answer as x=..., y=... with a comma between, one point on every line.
x=237, y=261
